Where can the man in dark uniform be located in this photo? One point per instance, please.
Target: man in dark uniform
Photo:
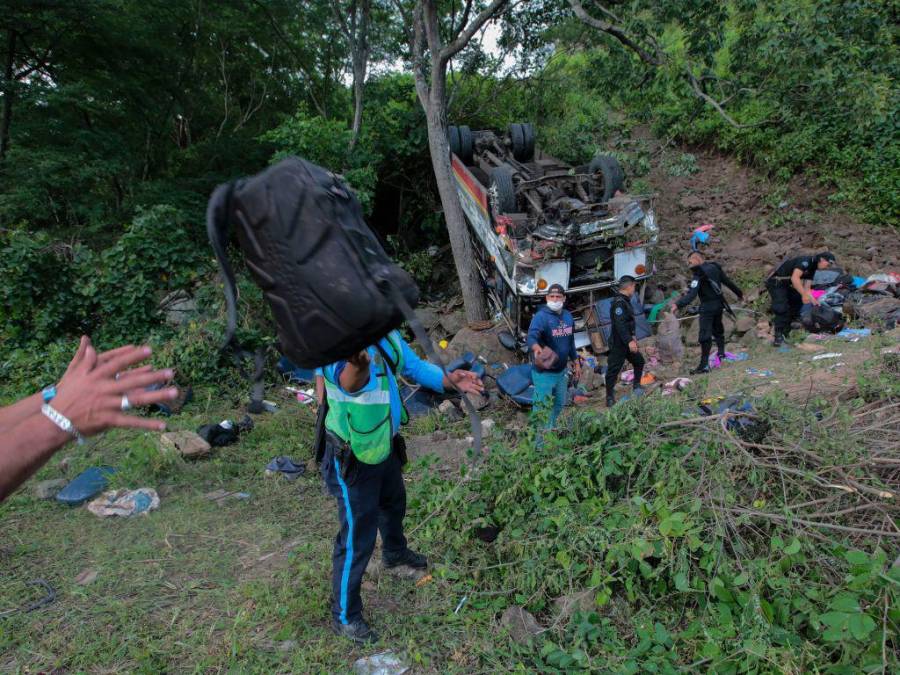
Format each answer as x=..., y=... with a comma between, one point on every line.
x=707, y=283
x=789, y=287
x=622, y=341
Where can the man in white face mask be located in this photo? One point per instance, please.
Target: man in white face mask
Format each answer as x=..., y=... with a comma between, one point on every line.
x=551, y=340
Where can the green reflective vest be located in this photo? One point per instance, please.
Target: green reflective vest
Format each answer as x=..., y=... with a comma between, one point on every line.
x=364, y=419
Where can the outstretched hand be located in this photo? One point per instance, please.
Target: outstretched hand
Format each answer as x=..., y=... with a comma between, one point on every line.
x=91, y=392
x=464, y=381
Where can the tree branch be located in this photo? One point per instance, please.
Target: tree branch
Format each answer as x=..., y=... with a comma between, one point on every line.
x=698, y=90
x=618, y=33
x=341, y=21
x=467, y=32
x=297, y=57
x=455, y=30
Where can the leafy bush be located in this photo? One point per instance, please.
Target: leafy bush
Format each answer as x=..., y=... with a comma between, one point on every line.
x=37, y=297
x=158, y=252
x=327, y=142
x=25, y=370
x=645, y=515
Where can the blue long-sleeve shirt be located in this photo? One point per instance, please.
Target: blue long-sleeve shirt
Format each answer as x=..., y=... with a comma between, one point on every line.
x=415, y=368
x=557, y=331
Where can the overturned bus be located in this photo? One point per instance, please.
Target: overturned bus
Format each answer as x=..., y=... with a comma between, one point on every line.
x=536, y=221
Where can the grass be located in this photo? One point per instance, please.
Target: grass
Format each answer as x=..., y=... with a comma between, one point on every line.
x=244, y=586
x=197, y=585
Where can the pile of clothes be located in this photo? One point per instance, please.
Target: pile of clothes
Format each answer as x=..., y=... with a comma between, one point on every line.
x=874, y=299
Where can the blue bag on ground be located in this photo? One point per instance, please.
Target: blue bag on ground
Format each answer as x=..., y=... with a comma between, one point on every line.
x=516, y=383
x=85, y=485
x=419, y=402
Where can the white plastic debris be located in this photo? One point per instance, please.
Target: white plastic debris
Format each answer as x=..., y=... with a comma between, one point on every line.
x=829, y=355
x=383, y=663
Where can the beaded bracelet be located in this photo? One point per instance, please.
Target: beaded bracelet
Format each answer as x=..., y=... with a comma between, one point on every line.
x=62, y=422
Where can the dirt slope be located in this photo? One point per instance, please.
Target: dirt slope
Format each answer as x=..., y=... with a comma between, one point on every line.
x=758, y=223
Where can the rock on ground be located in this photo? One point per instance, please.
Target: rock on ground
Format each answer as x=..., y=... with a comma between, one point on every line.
x=47, y=489
x=482, y=343
x=186, y=443
x=744, y=323
x=520, y=623
x=449, y=410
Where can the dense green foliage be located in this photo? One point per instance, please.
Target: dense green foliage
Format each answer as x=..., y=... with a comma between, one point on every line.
x=643, y=523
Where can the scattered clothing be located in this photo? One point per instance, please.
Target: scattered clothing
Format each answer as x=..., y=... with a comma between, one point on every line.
x=285, y=466
x=760, y=373
x=125, y=503
x=716, y=360
x=678, y=384
x=225, y=432
x=743, y=421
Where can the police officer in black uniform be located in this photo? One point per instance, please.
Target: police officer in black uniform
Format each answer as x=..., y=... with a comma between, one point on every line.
x=622, y=341
x=789, y=287
x=707, y=283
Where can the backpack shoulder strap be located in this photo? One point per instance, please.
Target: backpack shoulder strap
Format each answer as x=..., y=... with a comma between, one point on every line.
x=217, y=220
x=392, y=363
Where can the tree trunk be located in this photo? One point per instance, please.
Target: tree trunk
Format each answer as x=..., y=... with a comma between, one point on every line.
x=359, y=80
x=8, y=92
x=460, y=242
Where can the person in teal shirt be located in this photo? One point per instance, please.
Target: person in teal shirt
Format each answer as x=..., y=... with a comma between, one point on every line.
x=364, y=453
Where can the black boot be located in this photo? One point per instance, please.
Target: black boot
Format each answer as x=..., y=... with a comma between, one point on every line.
x=720, y=350
x=407, y=557
x=778, y=341
x=357, y=631
x=700, y=370
x=610, y=400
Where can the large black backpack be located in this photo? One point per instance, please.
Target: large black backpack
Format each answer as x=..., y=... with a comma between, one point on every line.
x=822, y=319
x=332, y=288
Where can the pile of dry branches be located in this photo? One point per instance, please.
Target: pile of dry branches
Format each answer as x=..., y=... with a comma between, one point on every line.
x=841, y=475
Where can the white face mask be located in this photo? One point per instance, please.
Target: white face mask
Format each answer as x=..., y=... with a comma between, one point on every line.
x=555, y=306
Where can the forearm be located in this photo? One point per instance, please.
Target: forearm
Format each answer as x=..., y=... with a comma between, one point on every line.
x=798, y=284
x=13, y=414
x=25, y=448
x=686, y=299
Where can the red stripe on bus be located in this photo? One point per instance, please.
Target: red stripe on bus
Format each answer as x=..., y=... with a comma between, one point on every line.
x=471, y=185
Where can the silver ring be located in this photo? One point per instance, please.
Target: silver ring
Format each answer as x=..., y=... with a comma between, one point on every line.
x=126, y=404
